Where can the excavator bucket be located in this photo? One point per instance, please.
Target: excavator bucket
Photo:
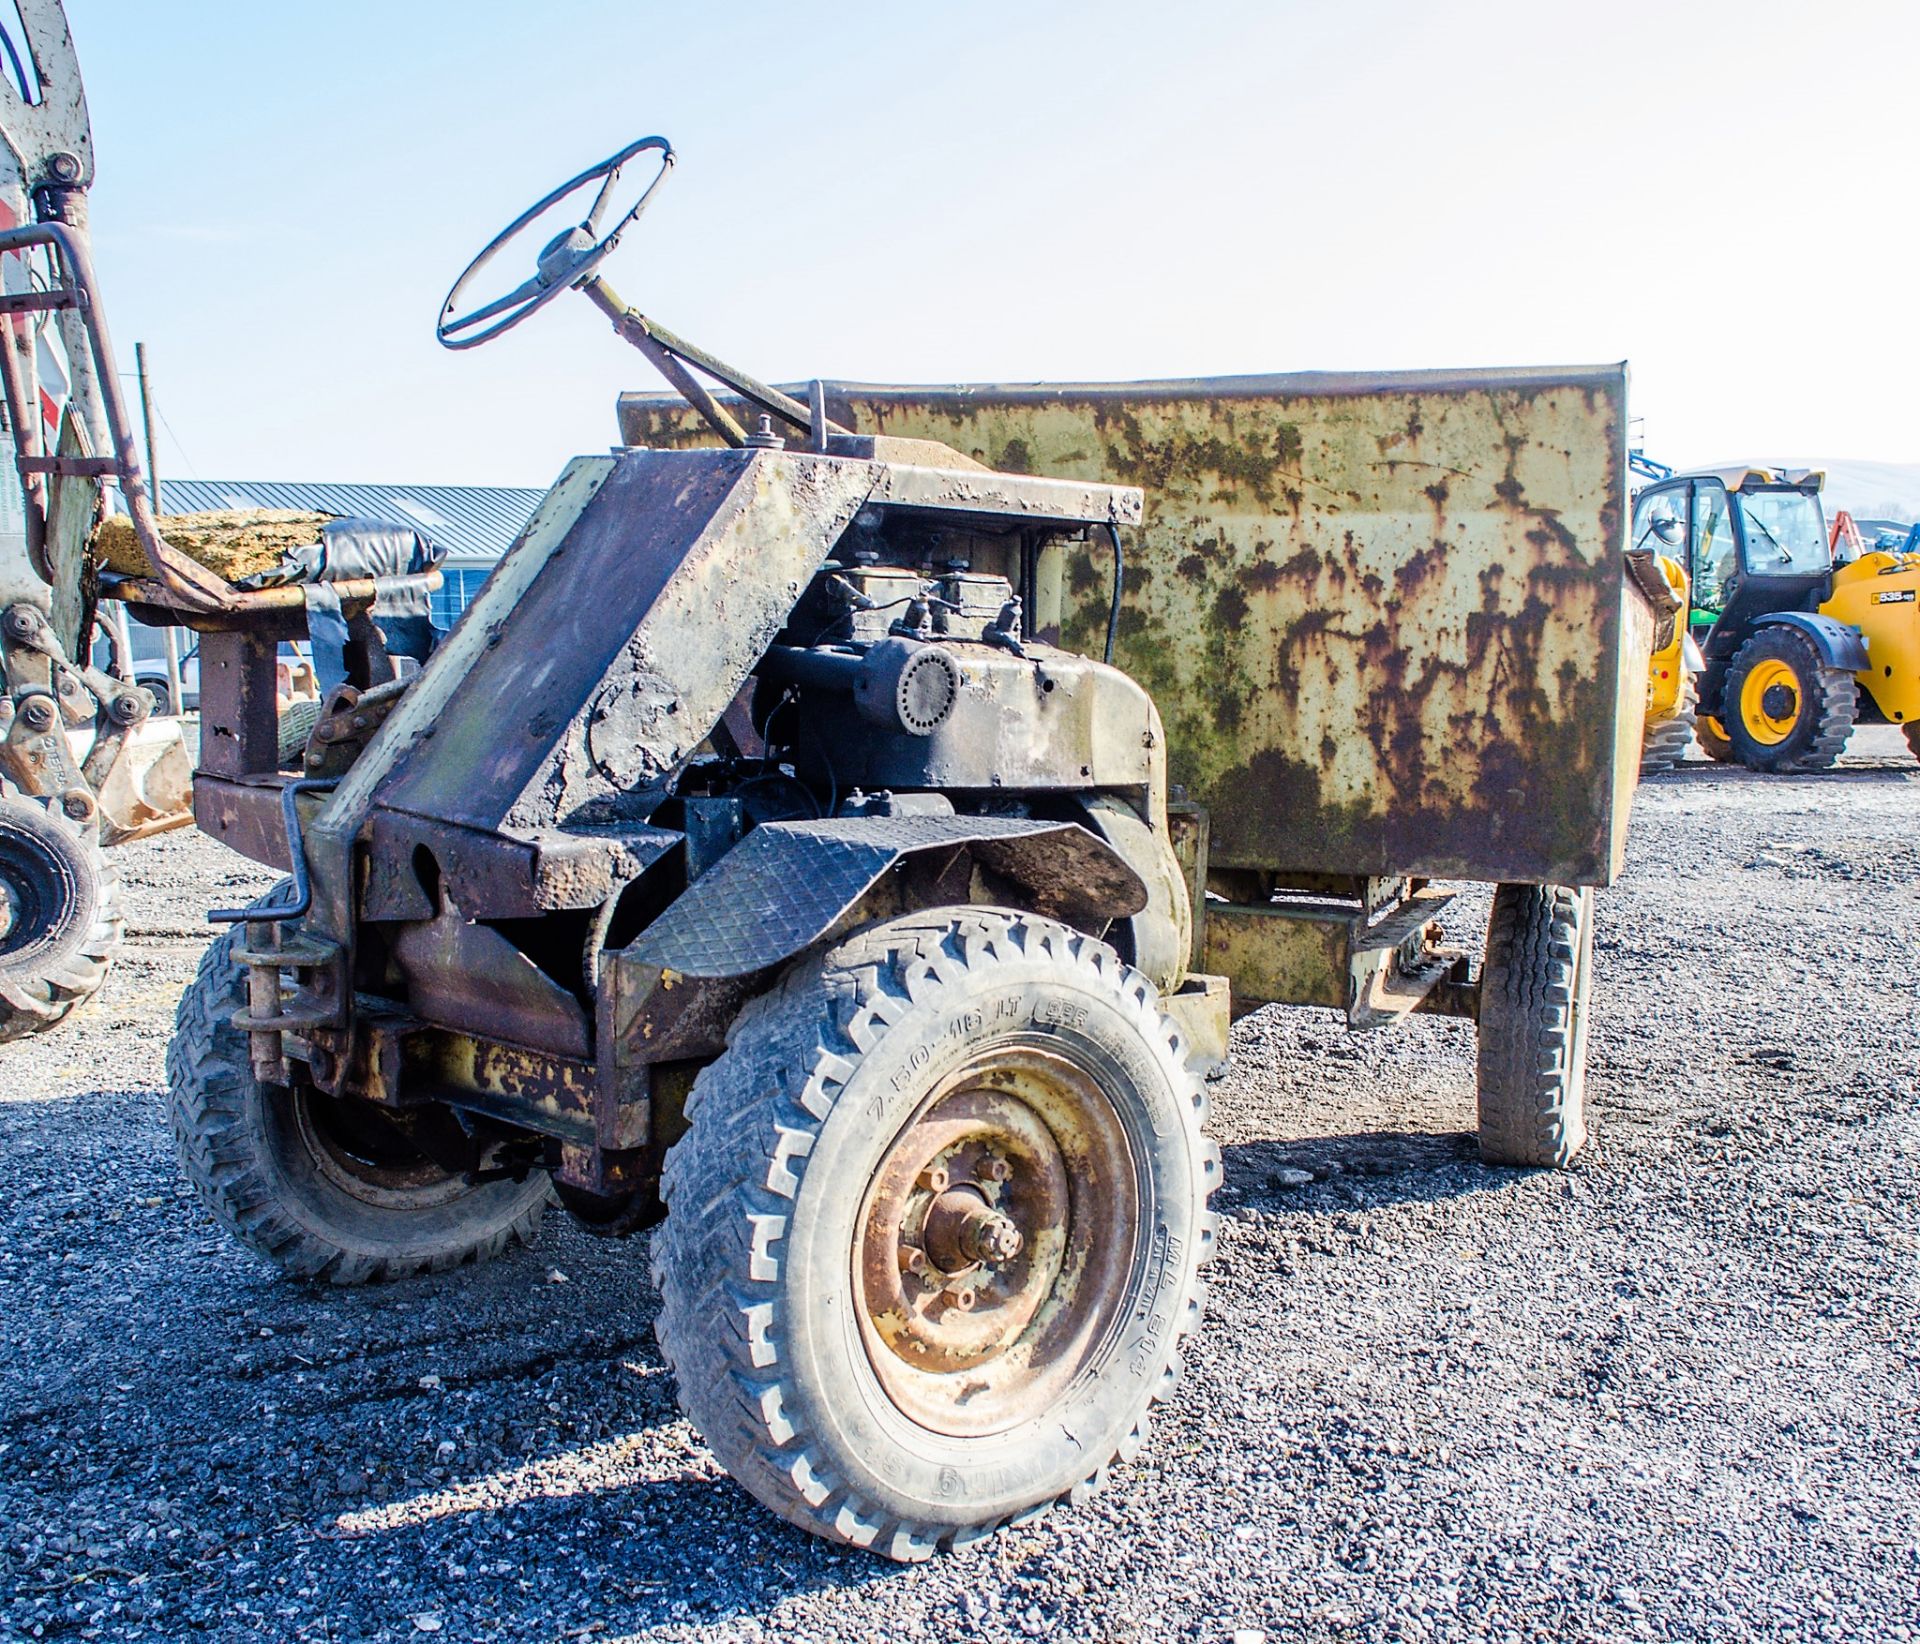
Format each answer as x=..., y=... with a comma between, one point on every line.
x=149, y=788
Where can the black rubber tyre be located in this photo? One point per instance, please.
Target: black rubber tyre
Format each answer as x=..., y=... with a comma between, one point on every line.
x=766, y=1261
x=1533, y=1025
x=1713, y=742
x=269, y=1162
x=296, y=726
x=1820, y=704
x=1667, y=743
x=60, y=917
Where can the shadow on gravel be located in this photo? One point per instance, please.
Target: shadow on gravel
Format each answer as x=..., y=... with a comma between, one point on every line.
x=192, y=1442
x=1371, y=1168
x=1862, y=774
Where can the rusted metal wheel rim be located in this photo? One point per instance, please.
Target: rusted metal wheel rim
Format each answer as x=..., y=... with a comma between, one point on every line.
x=995, y=1242
x=365, y=1159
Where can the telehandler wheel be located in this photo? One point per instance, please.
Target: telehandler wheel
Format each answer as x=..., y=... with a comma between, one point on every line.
x=59, y=915
x=1785, y=710
x=933, y=1238
x=1667, y=742
x=1712, y=737
x=315, y=1184
x=1533, y=1025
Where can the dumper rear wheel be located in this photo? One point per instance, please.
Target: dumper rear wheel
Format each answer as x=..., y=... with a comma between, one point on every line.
x=1533, y=1025
x=317, y=1185
x=59, y=915
x=934, y=1232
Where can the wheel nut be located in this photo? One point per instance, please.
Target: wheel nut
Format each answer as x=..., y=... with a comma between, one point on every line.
x=963, y=1299
x=963, y=1229
x=914, y=1260
x=935, y=1178
x=995, y=1239
x=993, y=1168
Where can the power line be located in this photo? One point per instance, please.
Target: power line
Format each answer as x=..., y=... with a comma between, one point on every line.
x=160, y=411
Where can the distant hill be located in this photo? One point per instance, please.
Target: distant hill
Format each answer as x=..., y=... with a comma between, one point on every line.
x=1867, y=490
x=1877, y=490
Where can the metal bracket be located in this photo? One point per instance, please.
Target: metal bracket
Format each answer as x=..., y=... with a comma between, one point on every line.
x=317, y=995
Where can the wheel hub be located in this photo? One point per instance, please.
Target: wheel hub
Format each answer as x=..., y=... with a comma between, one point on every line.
x=995, y=1236
x=40, y=893
x=962, y=1230
x=1770, y=701
x=364, y=1157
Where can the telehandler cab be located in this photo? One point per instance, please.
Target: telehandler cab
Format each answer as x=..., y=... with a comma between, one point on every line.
x=765, y=851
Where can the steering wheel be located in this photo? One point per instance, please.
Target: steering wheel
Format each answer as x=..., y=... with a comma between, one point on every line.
x=566, y=261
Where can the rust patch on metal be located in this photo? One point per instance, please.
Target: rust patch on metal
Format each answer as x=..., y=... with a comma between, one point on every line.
x=1381, y=616
x=991, y=1242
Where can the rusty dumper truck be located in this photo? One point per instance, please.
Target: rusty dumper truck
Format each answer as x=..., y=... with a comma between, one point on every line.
x=778, y=851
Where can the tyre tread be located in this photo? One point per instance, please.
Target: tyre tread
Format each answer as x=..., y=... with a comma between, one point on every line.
x=1529, y=1106
x=211, y=1085
x=1668, y=742
x=775, y=1083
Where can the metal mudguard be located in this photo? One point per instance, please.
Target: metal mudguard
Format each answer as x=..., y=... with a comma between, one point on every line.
x=787, y=884
x=1839, y=645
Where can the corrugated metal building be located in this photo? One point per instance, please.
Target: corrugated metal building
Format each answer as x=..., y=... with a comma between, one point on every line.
x=475, y=524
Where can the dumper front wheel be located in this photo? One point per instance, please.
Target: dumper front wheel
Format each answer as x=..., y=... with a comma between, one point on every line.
x=322, y=1187
x=934, y=1232
x=1533, y=1025
x=59, y=915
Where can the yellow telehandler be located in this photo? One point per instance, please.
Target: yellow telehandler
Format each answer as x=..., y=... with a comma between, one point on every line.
x=1673, y=699
x=1796, y=647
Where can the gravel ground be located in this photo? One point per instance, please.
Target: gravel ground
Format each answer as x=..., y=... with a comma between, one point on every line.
x=1674, y=1393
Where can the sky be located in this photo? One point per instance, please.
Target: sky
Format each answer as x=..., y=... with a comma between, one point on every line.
x=1722, y=194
